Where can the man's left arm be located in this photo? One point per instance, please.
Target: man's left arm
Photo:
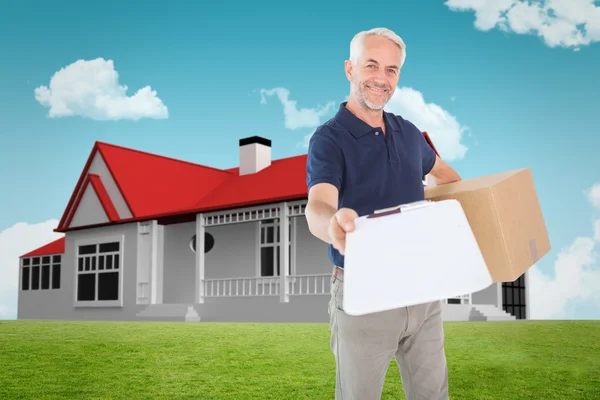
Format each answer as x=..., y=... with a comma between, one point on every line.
x=432, y=163
x=443, y=173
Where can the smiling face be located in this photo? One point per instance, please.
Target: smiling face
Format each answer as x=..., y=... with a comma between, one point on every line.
x=376, y=73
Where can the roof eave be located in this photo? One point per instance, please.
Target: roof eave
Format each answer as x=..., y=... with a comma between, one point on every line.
x=183, y=213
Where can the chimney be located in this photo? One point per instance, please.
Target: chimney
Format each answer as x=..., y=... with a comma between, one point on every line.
x=255, y=154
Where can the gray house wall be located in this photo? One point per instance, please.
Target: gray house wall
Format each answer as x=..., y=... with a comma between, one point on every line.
x=490, y=295
x=234, y=255
x=311, y=252
x=59, y=303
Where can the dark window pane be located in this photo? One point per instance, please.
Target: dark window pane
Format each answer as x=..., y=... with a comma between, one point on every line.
x=45, y=277
x=46, y=260
x=116, y=261
x=101, y=262
x=25, y=279
x=35, y=278
x=55, y=259
x=108, y=286
x=36, y=260
x=26, y=261
x=88, y=249
x=86, y=284
x=56, y=276
x=80, y=264
x=266, y=261
x=106, y=247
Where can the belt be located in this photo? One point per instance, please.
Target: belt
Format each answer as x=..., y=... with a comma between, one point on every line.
x=338, y=273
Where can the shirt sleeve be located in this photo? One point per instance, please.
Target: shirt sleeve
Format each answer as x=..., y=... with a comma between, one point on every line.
x=324, y=163
x=428, y=155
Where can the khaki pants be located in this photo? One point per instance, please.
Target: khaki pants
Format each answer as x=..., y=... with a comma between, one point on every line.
x=364, y=346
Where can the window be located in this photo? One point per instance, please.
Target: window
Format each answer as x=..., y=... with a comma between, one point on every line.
x=269, y=255
x=209, y=242
x=98, y=273
x=41, y=272
x=513, y=297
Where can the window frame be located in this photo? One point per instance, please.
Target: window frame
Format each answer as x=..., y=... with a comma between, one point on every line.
x=52, y=267
x=275, y=224
x=98, y=240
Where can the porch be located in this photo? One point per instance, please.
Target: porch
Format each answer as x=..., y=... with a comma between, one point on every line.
x=258, y=252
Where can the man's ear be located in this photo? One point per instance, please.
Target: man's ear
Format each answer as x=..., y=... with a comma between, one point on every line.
x=348, y=69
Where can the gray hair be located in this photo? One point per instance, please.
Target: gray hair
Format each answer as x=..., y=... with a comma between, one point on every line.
x=357, y=43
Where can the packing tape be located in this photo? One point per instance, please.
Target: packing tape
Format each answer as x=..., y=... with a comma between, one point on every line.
x=533, y=251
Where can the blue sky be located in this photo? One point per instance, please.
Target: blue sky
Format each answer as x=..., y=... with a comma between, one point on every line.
x=510, y=99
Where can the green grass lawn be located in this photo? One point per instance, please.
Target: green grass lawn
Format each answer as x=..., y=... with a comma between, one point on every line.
x=159, y=360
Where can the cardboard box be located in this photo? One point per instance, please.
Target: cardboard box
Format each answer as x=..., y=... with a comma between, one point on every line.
x=505, y=215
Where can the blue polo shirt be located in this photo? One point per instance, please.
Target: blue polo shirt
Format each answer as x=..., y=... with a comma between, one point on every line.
x=370, y=170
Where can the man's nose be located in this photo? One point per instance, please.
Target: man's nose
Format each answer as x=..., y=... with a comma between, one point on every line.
x=381, y=77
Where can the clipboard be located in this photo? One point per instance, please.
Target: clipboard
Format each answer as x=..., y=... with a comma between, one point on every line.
x=411, y=254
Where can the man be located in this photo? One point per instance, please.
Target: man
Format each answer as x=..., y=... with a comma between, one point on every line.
x=362, y=160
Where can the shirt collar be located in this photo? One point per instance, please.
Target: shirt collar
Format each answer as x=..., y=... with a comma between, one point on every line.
x=356, y=126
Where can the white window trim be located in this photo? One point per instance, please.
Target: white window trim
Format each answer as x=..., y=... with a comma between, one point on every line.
x=41, y=264
x=99, y=240
x=259, y=245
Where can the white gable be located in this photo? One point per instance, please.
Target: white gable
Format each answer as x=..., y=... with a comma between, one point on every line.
x=98, y=167
x=90, y=210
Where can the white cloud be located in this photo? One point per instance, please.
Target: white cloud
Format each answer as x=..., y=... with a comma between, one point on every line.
x=576, y=275
x=560, y=23
x=593, y=195
x=19, y=239
x=91, y=89
x=297, y=118
x=443, y=128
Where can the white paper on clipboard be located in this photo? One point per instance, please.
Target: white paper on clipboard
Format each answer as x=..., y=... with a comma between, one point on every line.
x=413, y=254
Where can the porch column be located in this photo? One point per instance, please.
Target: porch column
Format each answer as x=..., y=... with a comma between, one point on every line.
x=154, y=264
x=199, y=258
x=284, y=252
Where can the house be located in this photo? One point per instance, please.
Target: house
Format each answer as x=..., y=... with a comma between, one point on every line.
x=130, y=248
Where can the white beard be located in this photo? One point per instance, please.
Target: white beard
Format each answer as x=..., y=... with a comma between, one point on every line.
x=362, y=98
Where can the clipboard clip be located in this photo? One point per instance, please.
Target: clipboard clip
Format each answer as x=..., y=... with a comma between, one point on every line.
x=400, y=209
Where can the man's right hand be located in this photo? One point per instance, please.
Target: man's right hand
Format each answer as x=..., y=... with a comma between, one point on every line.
x=341, y=223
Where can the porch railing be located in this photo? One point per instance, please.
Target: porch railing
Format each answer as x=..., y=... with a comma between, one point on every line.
x=316, y=284
x=299, y=285
x=236, y=287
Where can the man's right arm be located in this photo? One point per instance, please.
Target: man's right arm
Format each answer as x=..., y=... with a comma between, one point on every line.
x=324, y=168
x=320, y=209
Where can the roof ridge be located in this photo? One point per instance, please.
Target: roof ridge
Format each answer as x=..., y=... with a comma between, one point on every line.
x=273, y=161
x=156, y=155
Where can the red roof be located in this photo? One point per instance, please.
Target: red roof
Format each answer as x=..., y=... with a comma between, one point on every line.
x=284, y=180
x=55, y=247
x=155, y=186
